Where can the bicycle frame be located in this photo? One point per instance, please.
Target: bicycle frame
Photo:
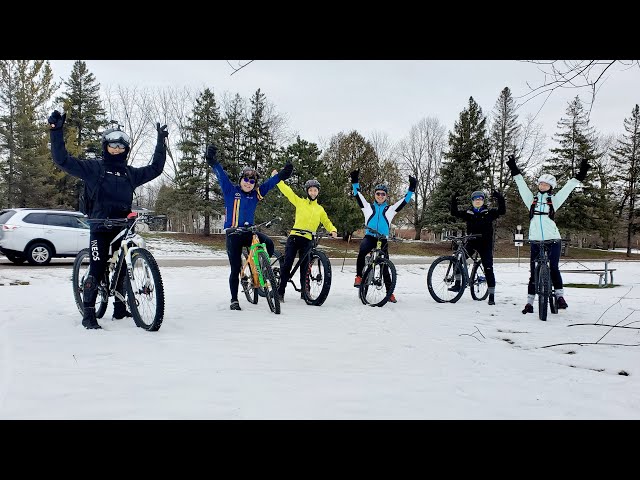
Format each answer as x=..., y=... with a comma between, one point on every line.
x=315, y=238
x=541, y=258
x=254, y=252
x=462, y=255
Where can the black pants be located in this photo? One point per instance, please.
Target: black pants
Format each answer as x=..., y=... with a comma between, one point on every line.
x=367, y=244
x=296, y=245
x=486, y=255
x=235, y=242
x=99, y=254
x=554, y=259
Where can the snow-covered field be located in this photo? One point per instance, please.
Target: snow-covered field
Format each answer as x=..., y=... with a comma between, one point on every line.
x=416, y=359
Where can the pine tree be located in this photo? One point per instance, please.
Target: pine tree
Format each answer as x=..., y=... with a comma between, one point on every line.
x=626, y=158
x=25, y=88
x=465, y=168
x=577, y=142
x=504, y=132
x=85, y=117
x=259, y=144
x=233, y=140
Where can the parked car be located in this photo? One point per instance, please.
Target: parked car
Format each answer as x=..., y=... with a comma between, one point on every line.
x=37, y=235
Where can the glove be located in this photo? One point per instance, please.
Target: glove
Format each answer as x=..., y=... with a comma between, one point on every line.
x=162, y=132
x=212, y=155
x=56, y=121
x=354, y=176
x=286, y=171
x=496, y=194
x=584, y=167
x=454, y=198
x=511, y=163
x=412, y=183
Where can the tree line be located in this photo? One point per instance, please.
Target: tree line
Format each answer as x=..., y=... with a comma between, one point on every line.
x=472, y=156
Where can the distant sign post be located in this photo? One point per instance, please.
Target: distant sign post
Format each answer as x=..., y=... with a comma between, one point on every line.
x=518, y=238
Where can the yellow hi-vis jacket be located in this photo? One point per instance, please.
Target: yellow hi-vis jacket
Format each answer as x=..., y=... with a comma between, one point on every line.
x=309, y=213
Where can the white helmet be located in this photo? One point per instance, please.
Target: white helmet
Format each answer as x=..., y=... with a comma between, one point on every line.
x=548, y=178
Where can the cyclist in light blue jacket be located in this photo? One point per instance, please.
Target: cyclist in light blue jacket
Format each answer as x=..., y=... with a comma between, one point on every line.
x=542, y=207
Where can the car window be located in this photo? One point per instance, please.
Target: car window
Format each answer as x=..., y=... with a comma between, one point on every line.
x=79, y=222
x=58, y=220
x=6, y=215
x=38, y=218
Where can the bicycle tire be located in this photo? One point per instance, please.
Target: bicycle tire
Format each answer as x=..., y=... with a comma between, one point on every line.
x=449, y=264
x=543, y=288
x=246, y=281
x=146, y=301
x=319, y=260
x=77, y=279
x=270, y=285
x=373, y=276
x=478, y=282
x=275, y=266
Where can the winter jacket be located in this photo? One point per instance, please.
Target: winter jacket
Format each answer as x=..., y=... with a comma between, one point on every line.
x=114, y=194
x=481, y=221
x=376, y=215
x=542, y=227
x=309, y=214
x=240, y=206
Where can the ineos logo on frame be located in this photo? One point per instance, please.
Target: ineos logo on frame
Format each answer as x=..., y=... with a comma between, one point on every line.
x=95, y=254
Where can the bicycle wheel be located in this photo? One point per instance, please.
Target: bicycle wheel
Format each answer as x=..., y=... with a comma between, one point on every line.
x=277, y=260
x=246, y=281
x=270, y=286
x=80, y=272
x=317, y=280
x=441, y=277
x=373, y=291
x=478, y=283
x=145, y=291
x=543, y=288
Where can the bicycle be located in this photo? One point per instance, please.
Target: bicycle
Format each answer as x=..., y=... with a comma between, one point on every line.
x=256, y=272
x=143, y=283
x=542, y=279
x=379, y=271
x=441, y=277
x=317, y=281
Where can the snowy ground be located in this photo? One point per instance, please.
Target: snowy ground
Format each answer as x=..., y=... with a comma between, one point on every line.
x=416, y=359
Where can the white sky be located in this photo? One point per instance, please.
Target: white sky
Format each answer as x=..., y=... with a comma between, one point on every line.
x=416, y=359
x=322, y=97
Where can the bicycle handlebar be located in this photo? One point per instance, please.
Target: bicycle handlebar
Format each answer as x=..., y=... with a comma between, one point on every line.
x=114, y=222
x=463, y=237
x=254, y=228
x=377, y=233
x=315, y=234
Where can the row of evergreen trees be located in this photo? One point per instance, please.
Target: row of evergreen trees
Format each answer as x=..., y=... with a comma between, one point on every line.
x=471, y=157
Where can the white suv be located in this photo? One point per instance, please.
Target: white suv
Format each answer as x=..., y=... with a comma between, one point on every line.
x=38, y=234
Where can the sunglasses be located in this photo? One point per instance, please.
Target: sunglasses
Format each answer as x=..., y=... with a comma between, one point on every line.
x=381, y=194
x=249, y=180
x=116, y=145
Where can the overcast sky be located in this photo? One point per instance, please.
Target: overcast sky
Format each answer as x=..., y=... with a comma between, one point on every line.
x=322, y=97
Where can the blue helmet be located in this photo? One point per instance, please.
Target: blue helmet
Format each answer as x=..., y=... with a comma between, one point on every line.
x=381, y=186
x=478, y=194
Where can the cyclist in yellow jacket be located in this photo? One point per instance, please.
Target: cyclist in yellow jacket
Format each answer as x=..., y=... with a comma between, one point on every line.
x=309, y=215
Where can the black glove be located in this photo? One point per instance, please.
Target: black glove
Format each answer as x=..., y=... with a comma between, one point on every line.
x=56, y=121
x=412, y=183
x=454, y=198
x=354, y=176
x=286, y=171
x=212, y=155
x=511, y=163
x=162, y=132
x=496, y=194
x=584, y=167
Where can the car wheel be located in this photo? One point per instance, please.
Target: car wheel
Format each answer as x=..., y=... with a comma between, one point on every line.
x=39, y=254
x=17, y=259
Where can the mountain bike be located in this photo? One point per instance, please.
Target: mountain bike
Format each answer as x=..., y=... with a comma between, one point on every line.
x=542, y=279
x=379, y=274
x=317, y=277
x=448, y=275
x=256, y=275
x=129, y=257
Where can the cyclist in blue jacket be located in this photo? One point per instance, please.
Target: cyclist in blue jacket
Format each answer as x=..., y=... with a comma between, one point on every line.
x=378, y=215
x=240, y=203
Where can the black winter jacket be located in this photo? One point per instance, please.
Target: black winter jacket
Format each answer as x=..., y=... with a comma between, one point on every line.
x=482, y=221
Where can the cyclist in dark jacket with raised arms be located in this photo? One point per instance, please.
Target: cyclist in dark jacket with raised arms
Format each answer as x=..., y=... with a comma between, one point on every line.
x=111, y=184
x=480, y=220
x=240, y=203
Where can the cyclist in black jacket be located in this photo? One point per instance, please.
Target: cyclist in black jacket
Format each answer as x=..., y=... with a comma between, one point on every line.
x=480, y=220
x=111, y=182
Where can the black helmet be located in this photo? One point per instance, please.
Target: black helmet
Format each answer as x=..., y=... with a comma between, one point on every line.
x=249, y=172
x=381, y=186
x=116, y=136
x=311, y=183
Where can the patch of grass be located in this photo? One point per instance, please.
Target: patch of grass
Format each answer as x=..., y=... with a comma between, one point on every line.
x=589, y=285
